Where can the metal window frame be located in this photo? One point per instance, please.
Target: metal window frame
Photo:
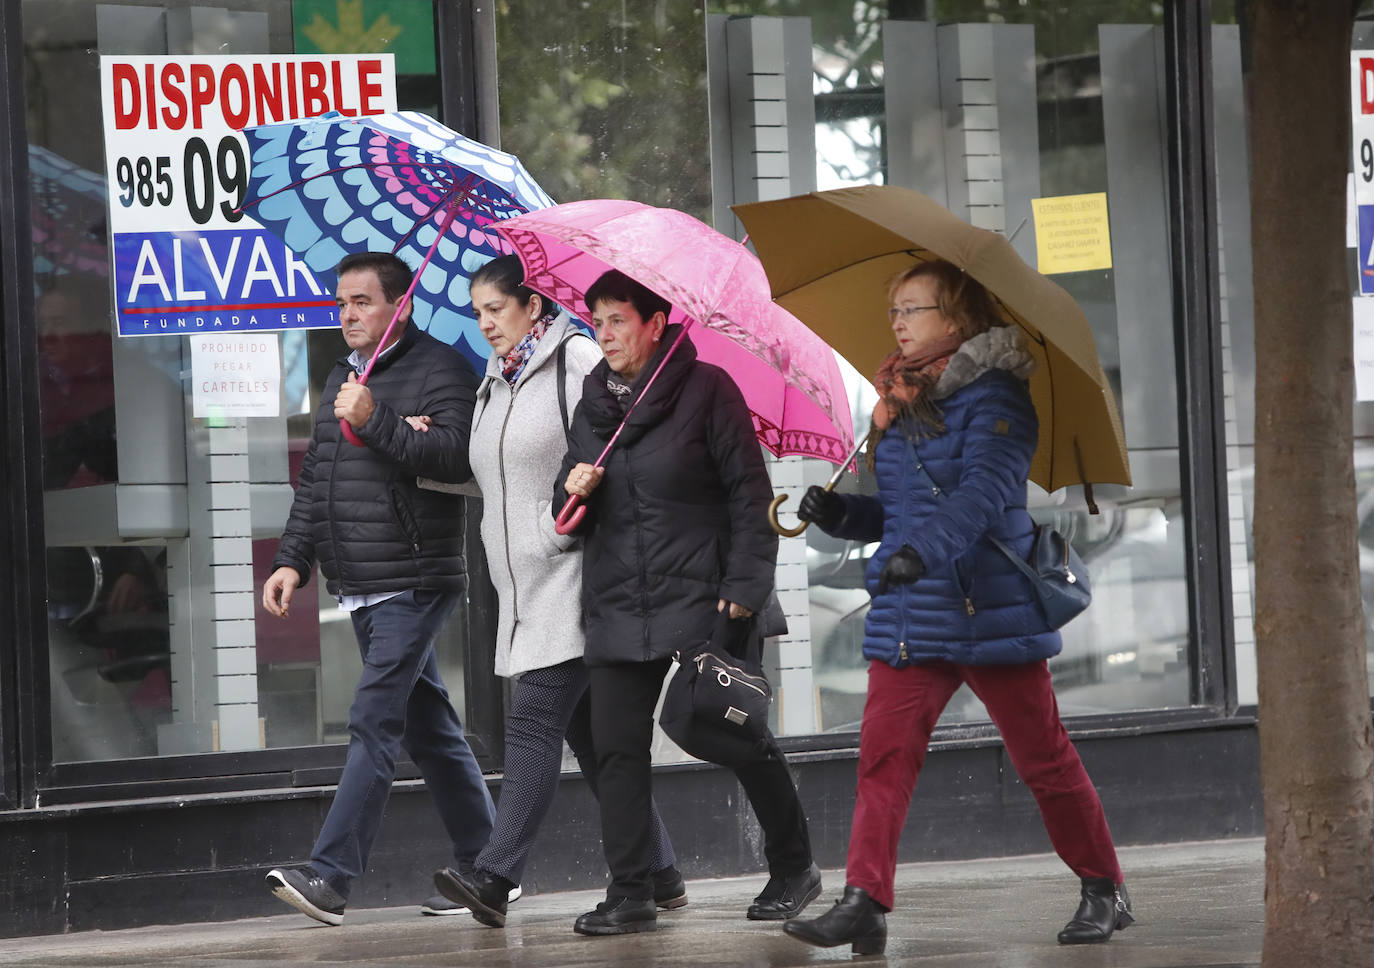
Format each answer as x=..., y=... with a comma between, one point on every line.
x=1197, y=320
x=24, y=725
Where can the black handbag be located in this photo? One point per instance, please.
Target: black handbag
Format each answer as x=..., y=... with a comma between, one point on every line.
x=716, y=704
x=1056, y=573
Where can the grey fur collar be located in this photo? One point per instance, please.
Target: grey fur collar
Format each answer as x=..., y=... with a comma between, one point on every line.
x=1000, y=348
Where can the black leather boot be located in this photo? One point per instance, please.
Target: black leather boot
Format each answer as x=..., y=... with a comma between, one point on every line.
x=1105, y=908
x=670, y=890
x=483, y=893
x=619, y=915
x=784, y=897
x=855, y=919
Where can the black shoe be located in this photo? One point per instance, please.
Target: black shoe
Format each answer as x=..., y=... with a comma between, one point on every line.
x=670, y=890
x=1105, y=908
x=308, y=892
x=483, y=893
x=785, y=897
x=619, y=915
x=439, y=906
x=855, y=919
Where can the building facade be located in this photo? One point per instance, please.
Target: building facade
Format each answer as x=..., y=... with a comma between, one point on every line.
x=163, y=741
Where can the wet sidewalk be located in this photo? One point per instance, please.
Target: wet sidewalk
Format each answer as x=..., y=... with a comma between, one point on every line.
x=1198, y=905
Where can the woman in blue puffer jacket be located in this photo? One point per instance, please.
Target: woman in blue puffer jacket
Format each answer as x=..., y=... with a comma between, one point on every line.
x=951, y=448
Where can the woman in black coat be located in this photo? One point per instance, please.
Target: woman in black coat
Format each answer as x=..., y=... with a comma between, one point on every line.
x=676, y=532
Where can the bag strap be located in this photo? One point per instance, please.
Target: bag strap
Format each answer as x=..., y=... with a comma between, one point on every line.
x=563, y=377
x=1002, y=546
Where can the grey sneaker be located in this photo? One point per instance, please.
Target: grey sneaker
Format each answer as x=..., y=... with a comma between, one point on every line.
x=306, y=891
x=440, y=906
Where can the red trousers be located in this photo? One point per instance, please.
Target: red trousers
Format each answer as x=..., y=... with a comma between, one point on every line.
x=901, y=710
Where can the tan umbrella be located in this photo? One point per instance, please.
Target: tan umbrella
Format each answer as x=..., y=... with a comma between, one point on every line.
x=830, y=255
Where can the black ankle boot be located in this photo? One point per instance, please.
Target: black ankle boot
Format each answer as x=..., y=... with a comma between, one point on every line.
x=856, y=918
x=483, y=893
x=670, y=890
x=784, y=897
x=619, y=915
x=1106, y=907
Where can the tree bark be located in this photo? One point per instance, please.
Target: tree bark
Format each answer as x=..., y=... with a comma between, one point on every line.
x=1316, y=748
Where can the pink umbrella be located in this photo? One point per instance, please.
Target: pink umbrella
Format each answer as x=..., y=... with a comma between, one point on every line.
x=787, y=373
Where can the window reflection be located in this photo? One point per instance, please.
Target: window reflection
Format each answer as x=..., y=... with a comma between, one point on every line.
x=1053, y=91
x=132, y=588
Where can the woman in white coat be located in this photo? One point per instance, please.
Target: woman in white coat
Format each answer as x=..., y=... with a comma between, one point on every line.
x=533, y=383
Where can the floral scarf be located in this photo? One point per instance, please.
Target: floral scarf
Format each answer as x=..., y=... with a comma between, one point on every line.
x=905, y=385
x=514, y=362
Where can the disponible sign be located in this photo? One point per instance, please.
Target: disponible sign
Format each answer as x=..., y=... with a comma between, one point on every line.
x=1362, y=142
x=186, y=259
x=235, y=376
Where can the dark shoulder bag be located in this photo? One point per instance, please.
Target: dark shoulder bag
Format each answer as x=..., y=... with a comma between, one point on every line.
x=716, y=704
x=1056, y=573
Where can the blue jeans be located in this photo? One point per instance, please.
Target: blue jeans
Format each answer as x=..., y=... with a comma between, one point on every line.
x=401, y=702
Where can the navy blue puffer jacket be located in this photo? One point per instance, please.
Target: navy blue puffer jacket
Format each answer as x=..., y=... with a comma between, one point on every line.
x=972, y=607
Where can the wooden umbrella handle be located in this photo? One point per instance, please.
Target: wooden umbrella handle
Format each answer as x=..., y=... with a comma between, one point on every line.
x=779, y=528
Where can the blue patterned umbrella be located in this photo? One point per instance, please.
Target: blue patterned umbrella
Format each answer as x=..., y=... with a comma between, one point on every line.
x=399, y=182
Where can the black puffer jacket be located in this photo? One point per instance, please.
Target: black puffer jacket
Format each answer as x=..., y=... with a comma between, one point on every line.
x=680, y=519
x=358, y=510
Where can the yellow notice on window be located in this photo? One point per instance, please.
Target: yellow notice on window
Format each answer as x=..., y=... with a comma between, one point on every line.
x=1071, y=233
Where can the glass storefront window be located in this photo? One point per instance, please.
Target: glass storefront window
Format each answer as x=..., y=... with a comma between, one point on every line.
x=606, y=100
x=1052, y=102
x=139, y=660
x=986, y=106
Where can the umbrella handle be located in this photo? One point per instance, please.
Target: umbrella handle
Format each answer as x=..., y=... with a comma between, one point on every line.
x=570, y=516
x=778, y=527
x=449, y=215
x=345, y=427
x=349, y=435
x=829, y=486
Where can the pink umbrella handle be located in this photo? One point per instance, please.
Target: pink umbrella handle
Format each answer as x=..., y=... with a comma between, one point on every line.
x=449, y=216
x=349, y=435
x=571, y=515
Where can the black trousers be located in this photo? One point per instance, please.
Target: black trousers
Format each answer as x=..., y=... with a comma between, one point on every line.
x=623, y=699
x=546, y=706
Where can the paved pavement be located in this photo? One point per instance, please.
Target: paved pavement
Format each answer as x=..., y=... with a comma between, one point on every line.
x=1198, y=905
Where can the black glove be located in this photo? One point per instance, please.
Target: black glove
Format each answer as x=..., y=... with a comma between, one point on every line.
x=904, y=567
x=824, y=508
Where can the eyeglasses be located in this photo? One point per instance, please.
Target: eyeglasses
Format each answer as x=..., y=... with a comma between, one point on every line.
x=906, y=312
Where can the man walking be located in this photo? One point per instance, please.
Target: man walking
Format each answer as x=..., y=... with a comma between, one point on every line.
x=392, y=553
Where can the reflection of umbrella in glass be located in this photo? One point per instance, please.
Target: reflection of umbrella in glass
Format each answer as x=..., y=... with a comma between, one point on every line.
x=789, y=377
x=830, y=255
x=333, y=185
x=67, y=207
x=400, y=183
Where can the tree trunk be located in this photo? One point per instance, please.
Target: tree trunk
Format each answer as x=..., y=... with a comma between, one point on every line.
x=1316, y=748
